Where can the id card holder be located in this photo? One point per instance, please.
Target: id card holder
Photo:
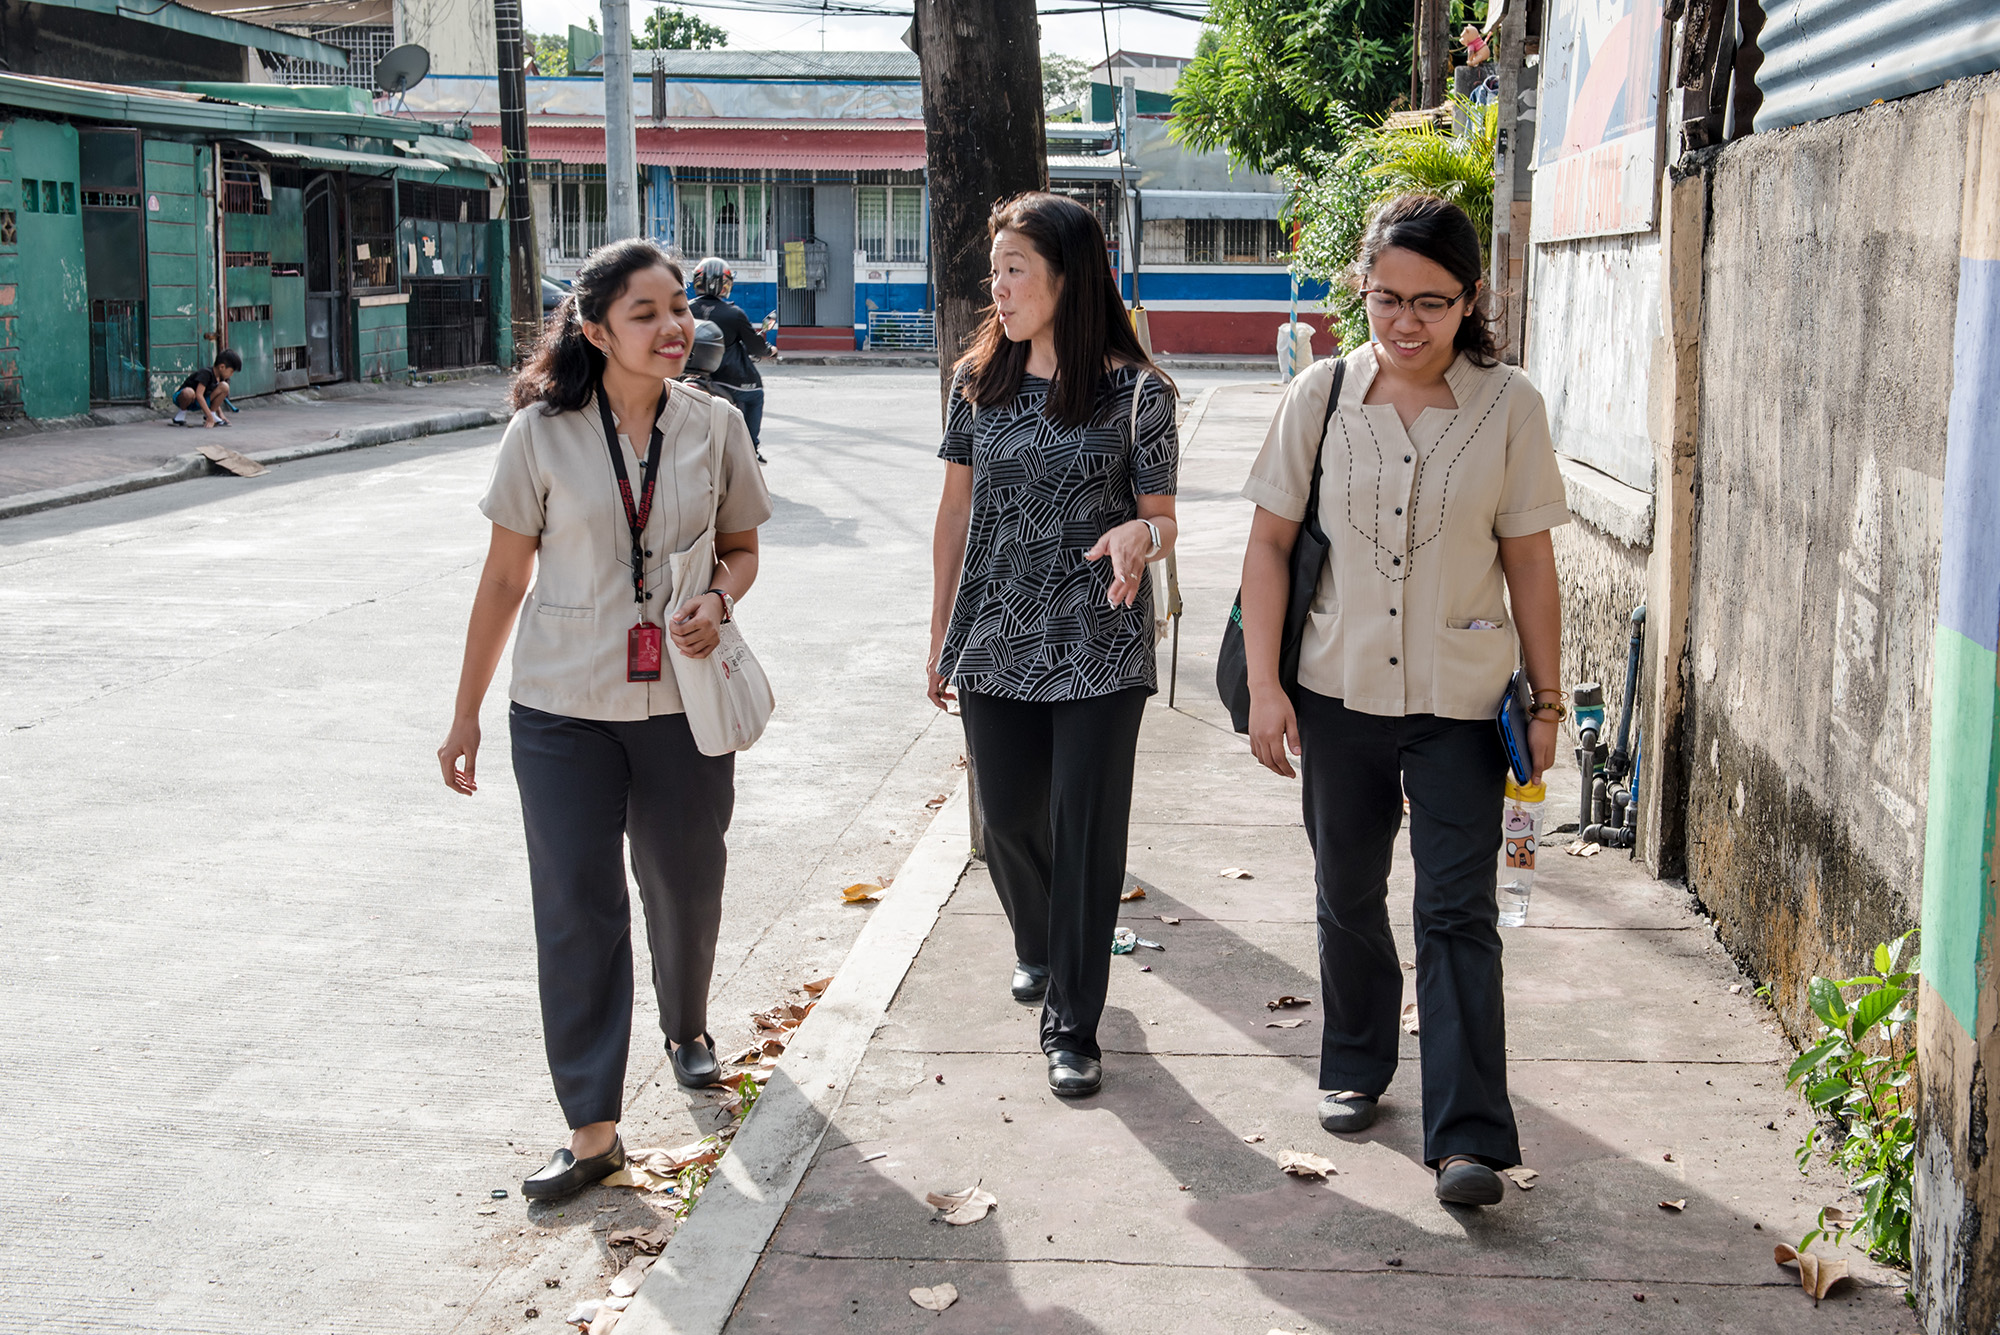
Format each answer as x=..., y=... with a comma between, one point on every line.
x=642, y=653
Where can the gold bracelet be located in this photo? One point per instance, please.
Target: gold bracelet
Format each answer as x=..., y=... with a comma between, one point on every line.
x=1542, y=705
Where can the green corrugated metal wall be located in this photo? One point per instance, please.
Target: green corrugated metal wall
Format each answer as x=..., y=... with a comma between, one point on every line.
x=382, y=341
x=51, y=301
x=246, y=288
x=180, y=259
x=499, y=292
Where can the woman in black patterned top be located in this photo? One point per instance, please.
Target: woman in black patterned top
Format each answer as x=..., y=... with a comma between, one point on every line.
x=1060, y=452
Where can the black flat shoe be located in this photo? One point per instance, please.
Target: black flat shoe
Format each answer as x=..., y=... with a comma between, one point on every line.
x=1345, y=1112
x=1463, y=1181
x=1031, y=983
x=565, y=1174
x=1073, y=1075
x=694, y=1063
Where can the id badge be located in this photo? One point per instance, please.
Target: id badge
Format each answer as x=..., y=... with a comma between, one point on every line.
x=642, y=653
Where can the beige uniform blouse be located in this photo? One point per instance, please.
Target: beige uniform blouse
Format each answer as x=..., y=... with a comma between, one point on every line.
x=553, y=480
x=1414, y=520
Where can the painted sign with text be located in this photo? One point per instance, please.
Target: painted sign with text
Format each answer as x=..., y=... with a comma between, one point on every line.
x=1597, y=147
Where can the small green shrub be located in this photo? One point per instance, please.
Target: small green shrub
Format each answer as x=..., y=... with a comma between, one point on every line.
x=1866, y=1099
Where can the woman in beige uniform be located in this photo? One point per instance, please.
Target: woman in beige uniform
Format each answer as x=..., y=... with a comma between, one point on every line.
x=1438, y=489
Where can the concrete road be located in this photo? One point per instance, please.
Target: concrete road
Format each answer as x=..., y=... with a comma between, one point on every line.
x=269, y=987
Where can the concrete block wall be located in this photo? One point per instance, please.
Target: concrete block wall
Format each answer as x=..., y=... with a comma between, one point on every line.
x=1829, y=273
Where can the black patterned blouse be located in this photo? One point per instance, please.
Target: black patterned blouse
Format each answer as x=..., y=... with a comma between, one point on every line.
x=1031, y=621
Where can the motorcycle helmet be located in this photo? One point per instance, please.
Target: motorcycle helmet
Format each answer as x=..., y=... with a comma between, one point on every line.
x=706, y=354
x=710, y=276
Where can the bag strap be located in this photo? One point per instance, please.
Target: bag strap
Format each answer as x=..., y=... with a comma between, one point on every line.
x=1319, y=455
x=718, y=440
x=1138, y=388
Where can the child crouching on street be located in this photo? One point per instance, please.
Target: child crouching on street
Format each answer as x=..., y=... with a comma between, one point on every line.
x=207, y=389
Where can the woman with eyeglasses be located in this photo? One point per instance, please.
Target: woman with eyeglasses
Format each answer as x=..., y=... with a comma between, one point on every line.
x=1438, y=488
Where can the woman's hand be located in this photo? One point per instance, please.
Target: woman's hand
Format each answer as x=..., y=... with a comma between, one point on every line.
x=697, y=627
x=1274, y=728
x=1541, y=746
x=938, y=688
x=461, y=743
x=1128, y=546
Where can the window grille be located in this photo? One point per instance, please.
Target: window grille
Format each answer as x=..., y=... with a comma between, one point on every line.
x=364, y=43
x=1215, y=241
x=889, y=223
x=371, y=222
x=731, y=221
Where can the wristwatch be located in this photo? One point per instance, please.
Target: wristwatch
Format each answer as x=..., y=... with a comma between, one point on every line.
x=728, y=604
x=1153, y=529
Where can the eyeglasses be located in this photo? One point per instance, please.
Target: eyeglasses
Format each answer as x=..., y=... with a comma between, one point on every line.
x=1386, y=305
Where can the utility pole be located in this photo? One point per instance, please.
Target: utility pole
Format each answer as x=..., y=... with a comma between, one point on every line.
x=983, y=140
x=1507, y=271
x=621, y=142
x=523, y=272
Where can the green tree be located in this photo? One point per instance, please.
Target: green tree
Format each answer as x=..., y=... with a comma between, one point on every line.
x=551, y=53
x=1270, y=77
x=1065, y=82
x=677, y=30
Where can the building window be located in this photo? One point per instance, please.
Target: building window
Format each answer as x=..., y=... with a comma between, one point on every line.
x=1215, y=241
x=576, y=207
x=889, y=223
x=364, y=43
x=371, y=215
x=725, y=220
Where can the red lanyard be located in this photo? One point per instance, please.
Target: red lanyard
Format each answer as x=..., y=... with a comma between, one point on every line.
x=635, y=516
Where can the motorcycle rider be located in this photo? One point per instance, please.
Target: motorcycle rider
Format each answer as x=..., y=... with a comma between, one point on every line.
x=743, y=342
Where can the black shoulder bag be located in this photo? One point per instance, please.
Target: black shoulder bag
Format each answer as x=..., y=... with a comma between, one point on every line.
x=1232, y=668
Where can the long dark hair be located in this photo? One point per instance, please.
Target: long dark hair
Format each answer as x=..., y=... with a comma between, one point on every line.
x=1438, y=230
x=1090, y=320
x=565, y=368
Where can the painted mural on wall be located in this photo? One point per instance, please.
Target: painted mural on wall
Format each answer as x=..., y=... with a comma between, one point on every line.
x=1597, y=148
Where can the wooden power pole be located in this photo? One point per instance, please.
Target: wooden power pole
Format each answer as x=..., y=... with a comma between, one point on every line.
x=523, y=272
x=983, y=141
x=1430, y=54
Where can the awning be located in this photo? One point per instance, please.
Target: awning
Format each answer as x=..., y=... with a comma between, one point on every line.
x=339, y=159
x=1209, y=204
x=799, y=150
x=456, y=153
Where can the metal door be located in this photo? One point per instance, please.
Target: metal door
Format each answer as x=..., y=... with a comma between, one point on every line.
x=795, y=223
x=114, y=264
x=833, y=220
x=326, y=304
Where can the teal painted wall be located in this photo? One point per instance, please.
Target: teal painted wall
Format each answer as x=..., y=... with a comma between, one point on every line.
x=51, y=301
x=180, y=258
x=500, y=292
x=381, y=341
x=10, y=269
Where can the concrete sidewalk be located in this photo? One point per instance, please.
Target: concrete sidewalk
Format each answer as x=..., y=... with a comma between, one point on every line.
x=42, y=469
x=1642, y=1069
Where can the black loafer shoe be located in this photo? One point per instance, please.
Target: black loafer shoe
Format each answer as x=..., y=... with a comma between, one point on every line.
x=1031, y=983
x=694, y=1063
x=1463, y=1181
x=565, y=1174
x=1073, y=1075
x=1345, y=1112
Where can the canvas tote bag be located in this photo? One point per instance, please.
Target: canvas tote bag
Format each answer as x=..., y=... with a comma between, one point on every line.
x=726, y=695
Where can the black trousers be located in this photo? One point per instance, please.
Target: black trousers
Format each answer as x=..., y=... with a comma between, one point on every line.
x=1055, y=799
x=1357, y=768
x=587, y=789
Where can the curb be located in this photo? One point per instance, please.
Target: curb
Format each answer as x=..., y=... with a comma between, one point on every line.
x=185, y=467
x=692, y=1289
x=862, y=359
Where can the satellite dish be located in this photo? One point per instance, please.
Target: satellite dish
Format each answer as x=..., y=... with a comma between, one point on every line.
x=402, y=69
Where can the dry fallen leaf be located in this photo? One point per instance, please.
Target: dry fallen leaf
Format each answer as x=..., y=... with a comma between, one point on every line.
x=627, y=1281
x=934, y=803
x=606, y=1320
x=934, y=1300
x=1300, y=1163
x=1582, y=850
x=1132, y=893
x=1235, y=874
x=1833, y=1214
x=1524, y=1178
x=962, y=1207
x=648, y=1241
x=745, y=1057
x=1817, y=1274
x=1169, y=920
x=818, y=986
x=1287, y=1003
x=862, y=892
x=1410, y=1018
x=1253, y=1138
x=1675, y=1206
x=1283, y=1024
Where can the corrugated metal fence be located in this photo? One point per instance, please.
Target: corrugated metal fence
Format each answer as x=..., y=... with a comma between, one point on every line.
x=1823, y=57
